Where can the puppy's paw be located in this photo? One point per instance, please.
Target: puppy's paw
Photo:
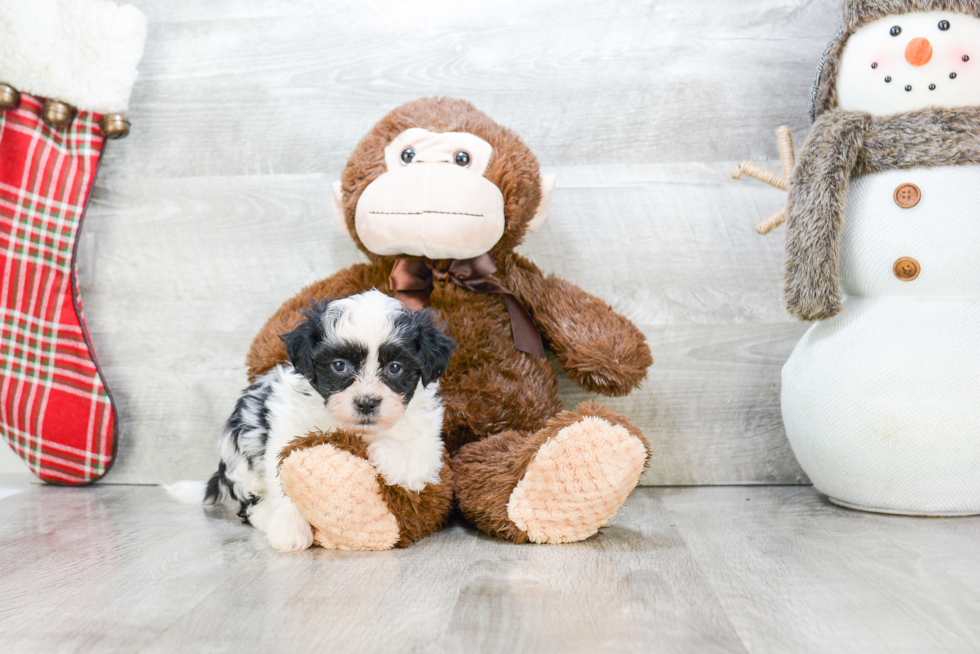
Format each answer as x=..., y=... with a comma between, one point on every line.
x=409, y=465
x=258, y=515
x=288, y=530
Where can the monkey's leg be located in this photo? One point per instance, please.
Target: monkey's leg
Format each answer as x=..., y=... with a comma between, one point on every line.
x=349, y=505
x=558, y=485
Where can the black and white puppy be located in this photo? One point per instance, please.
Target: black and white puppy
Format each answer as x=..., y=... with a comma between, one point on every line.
x=363, y=364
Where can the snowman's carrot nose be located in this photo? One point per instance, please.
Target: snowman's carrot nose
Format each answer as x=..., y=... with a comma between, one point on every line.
x=918, y=52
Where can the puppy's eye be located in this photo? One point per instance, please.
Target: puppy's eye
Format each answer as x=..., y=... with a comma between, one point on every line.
x=338, y=366
x=394, y=369
x=462, y=158
x=895, y=31
x=408, y=154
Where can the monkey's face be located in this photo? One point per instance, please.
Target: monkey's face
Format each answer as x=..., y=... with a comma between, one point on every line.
x=434, y=200
x=437, y=178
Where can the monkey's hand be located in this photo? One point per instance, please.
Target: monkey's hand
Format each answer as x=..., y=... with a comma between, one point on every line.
x=331, y=480
x=268, y=349
x=599, y=349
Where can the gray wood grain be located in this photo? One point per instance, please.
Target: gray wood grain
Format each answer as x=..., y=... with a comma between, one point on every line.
x=198, y=264
x=217, y=207
x=126, y=569
x=288, y=87
x=869, y=582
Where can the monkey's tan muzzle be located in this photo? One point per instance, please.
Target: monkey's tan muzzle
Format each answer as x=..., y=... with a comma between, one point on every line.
x=434, y=210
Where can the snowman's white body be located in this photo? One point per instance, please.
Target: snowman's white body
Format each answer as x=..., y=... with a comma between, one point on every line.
x=882, y=402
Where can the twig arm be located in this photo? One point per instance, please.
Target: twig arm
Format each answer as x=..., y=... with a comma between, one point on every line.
x=761, y=174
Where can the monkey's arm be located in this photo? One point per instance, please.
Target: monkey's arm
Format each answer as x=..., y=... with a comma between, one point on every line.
x=268, y=349
x=815, y=214
x=599, y=349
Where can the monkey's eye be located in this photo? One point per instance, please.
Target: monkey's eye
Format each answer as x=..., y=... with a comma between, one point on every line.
x=408, y=154
x=339, y=366
x=944, y=25
x=895, y=31
x=462, y=158
x=394, y=369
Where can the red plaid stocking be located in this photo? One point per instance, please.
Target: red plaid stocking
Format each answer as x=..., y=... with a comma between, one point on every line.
x=55, y=410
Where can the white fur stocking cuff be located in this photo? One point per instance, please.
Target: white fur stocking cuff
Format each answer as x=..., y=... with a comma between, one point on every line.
x=82, y=52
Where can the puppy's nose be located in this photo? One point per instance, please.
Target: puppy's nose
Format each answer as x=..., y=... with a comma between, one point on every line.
x=367, y=404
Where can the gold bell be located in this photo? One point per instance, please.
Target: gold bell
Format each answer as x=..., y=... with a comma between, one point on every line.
x=57, y=114
x=9, y=97
x=114, y=126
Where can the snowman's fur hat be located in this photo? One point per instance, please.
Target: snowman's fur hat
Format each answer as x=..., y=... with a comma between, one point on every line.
x=857, y=13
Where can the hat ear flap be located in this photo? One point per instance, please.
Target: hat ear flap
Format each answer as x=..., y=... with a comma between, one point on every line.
x=820, y=89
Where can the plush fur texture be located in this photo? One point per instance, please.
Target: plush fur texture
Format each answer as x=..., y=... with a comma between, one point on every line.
x=577, y=480
x=840, y=145
x=83, y=52
x=856, y=13
x=496, y=465
x=365, y=512
x=815, y=215
x=513, y=168
x=494, y=396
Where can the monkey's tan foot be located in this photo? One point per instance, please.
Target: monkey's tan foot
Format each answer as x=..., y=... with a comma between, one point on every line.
x=328, y=477
x=577, y=481
x=558, y=485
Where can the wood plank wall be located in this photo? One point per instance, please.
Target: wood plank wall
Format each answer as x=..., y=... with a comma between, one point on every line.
x=217, y=207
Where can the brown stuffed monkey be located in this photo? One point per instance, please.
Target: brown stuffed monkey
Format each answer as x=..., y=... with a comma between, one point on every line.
x=438, y=195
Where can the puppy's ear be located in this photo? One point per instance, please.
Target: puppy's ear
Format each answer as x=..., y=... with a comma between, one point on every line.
x=434, y=344
x=301, y=343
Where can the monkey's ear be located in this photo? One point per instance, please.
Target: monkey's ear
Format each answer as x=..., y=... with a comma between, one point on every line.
x=547, y=186
x=338, y=208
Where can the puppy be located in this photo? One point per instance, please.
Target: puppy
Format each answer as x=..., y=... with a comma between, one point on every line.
x=364, y=364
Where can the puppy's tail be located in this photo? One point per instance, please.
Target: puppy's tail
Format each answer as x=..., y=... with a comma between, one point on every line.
x=200, y=492
x=188, y=492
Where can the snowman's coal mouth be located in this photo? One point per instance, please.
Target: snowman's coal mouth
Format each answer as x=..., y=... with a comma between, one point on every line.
x=909, y=87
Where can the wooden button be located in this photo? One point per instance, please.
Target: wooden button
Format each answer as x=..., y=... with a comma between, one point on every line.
x=907, y=196
x=907, y=269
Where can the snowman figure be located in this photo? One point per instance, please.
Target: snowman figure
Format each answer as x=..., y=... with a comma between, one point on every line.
x=881, y=397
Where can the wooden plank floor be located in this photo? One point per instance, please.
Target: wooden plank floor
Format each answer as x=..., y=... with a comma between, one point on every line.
x=723, y=569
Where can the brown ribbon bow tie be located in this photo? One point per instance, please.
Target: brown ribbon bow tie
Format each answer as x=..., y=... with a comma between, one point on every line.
x=411, y=279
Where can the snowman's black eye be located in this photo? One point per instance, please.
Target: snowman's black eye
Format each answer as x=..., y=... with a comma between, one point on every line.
x=895, y=31
x=874, y=65
x=407, y=155
x=944, y=25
